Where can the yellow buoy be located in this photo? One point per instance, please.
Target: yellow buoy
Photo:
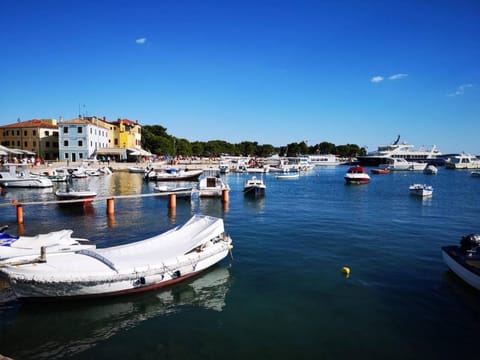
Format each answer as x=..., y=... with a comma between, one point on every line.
x=346, y=271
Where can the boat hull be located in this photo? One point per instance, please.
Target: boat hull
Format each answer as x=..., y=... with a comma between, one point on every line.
x=465, y=267
x=254, y=191
x=29, y=290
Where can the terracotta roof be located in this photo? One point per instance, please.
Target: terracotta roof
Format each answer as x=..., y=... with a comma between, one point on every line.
x=76, y=121
x=125, y=121
x=35, y=123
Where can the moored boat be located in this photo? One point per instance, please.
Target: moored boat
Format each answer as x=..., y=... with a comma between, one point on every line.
x=464, y=260
x=13, y=175
x=380, y=171
x=401, y=150
x=431, y=170
x=212, y=186
x=254, y=187
x=81, y=197
x=172, y=175
x=463, y=161
x=179, y=191
x=153, y=263
x=421, y=190
x=357, y=175
x=12, y=247
x=288, y=176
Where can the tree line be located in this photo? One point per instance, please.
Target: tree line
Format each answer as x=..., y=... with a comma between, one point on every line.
x=156, y=140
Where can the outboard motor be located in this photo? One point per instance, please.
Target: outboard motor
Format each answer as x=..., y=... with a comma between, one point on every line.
x=470, y=241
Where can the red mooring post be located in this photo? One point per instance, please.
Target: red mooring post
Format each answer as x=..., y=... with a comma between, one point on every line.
x=110, y=206
x=172, y=201
x=19, y=213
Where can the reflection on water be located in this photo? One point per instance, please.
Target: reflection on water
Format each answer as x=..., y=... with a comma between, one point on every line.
x=66, y=329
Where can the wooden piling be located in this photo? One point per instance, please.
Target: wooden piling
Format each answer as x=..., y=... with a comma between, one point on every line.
x=19, y=213
x=225, y=197
x=172, y=201
x=110, y=206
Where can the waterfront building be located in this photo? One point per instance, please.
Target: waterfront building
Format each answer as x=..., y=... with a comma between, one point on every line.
x=37, y=137
x=81, y=138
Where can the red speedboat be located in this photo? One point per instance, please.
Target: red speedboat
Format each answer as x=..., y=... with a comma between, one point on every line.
x=357, y=175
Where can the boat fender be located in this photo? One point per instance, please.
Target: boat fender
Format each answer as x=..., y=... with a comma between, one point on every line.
x=176, y=274
x=142, y=280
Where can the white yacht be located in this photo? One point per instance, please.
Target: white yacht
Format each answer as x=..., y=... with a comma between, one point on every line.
x=463, y=161
x=15, y=175
x=401, y=150
x=325, y=160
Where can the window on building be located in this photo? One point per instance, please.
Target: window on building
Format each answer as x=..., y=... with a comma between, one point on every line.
x=116, y=141
x=18, y=142
x=79, y=129
x=80, y=143
x=65, y=143
x=55, y=133
x=25, y=132
x=34, y=143
x=34, y=132
x=47, y=143
x=80, y=156
x=25, y=144
x=7, y=133
x=55, y=144
x=65, y=130
x=66, y=155
x=18, y=132
x=47, y=133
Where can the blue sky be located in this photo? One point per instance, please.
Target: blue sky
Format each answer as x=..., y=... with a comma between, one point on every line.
x=271, y=71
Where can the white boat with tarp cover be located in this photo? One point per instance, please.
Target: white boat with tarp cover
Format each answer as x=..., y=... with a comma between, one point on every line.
x=12, y=247
x=149, y=264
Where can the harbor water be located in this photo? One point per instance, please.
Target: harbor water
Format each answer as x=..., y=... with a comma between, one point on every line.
x=283, y=294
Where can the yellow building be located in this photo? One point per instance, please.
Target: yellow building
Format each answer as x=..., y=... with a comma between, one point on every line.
x=127, y=134
x=39, y=137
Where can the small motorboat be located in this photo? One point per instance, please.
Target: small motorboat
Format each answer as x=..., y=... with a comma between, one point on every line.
x=464, y=260
x=287, y=176
x=180, y=192
x=254, y=187
x=77, y=196
x=380, y=171
x=422, y=190
x=431, y=170
x=12, y=247
x=357, y=175
x=172, y=175
x=153, y=263
x=212, y=186
x=475, y=173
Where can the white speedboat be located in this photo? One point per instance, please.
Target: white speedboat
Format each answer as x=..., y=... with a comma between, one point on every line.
x=254, y=187
x=464, y=260
x=172, y=175
x=287, y=176
x=162, y=260
x=431, y=170
x=81, y=197
x=13, y=175
x=463, y=161
x=421, y=190
x=179, y=191
x=399, y=164
x=357, y=175
x=212, y=186
x=13, y=247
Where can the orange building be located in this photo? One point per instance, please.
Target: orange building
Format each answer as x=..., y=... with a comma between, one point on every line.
x=38, y=136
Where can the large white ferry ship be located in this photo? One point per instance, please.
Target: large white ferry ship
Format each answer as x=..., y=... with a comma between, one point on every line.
x=384, y=153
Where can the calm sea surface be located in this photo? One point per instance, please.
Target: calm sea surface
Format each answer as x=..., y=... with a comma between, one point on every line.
x=283, y=295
